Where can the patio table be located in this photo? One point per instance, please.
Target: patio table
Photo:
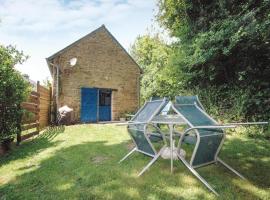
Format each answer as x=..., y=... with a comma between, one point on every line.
x=170, y=121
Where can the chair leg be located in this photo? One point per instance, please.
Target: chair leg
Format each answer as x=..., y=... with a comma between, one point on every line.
x=230, y=168
x=197, y=174
x=125, y=157
x=152, y=161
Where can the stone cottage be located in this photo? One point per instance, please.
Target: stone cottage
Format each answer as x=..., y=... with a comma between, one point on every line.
x=96, y=77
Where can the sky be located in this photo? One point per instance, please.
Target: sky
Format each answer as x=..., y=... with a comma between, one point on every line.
x=43, y=27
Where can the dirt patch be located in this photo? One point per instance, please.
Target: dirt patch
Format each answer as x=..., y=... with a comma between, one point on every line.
x=130, y=146
x=2, y=180
x=99, y=159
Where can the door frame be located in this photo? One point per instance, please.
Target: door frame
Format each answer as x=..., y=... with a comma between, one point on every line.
x=98, y=92
x=105, y=91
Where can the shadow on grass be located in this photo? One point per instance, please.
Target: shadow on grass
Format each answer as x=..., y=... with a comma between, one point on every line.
x=76, y=173
x=91, y=171
x=33, y=146
x=250, y=157
x=51, y=132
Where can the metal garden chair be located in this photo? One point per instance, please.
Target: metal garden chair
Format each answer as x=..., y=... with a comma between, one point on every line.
x=189, y=139
x=209, y=136
x=138, y=129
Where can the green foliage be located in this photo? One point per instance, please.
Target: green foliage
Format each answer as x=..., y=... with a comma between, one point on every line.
x=222, y=52
x=151, y=53
x=13, y=90
x=47, y=83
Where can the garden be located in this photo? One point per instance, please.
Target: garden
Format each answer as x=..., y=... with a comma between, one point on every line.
x=81, y=162
x=218, y=50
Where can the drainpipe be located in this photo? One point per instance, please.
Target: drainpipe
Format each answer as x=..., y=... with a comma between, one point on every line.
x=57, y=87
x=72, y=63
x=57, y=84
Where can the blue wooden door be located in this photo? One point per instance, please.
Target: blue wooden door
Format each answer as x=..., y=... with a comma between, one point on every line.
x=104, y=105
x=104, y=113
x=89, y=104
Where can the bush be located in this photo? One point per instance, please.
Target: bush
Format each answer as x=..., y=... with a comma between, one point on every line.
x=13, y=91
x=223, y=47
x=229, y=105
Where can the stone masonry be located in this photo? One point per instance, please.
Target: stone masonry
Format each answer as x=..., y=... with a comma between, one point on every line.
x=102, y=63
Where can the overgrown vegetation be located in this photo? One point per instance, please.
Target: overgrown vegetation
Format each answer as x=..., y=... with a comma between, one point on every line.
x=152, y=54
x=13, y=90
x=221, y=53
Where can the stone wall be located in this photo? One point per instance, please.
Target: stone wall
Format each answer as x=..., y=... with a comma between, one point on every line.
x=101, y=63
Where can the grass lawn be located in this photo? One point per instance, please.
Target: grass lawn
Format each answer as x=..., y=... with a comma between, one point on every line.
x=81, y=162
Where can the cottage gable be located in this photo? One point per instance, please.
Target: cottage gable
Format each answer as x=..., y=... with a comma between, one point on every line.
x=101, y=63
x=92, y=43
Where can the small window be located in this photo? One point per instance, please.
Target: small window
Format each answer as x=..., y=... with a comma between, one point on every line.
x=104, y=98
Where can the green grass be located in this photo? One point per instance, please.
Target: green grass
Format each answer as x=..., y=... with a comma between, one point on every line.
x=81, y=162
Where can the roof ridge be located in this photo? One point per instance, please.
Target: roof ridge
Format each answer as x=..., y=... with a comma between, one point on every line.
x=73, y=43
x=119, y=44
x=89, y=34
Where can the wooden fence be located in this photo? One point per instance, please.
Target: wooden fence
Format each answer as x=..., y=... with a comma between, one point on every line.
x=44, y=106
x=36, y=112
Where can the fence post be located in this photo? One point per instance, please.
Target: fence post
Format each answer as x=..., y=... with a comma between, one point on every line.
x=19, y=134
x=37, y=114
x=50, y=108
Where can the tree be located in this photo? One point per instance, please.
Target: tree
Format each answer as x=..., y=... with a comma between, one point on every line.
x=47, y=82
x=151, y=53
x=222, y=47
x=13, y=91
